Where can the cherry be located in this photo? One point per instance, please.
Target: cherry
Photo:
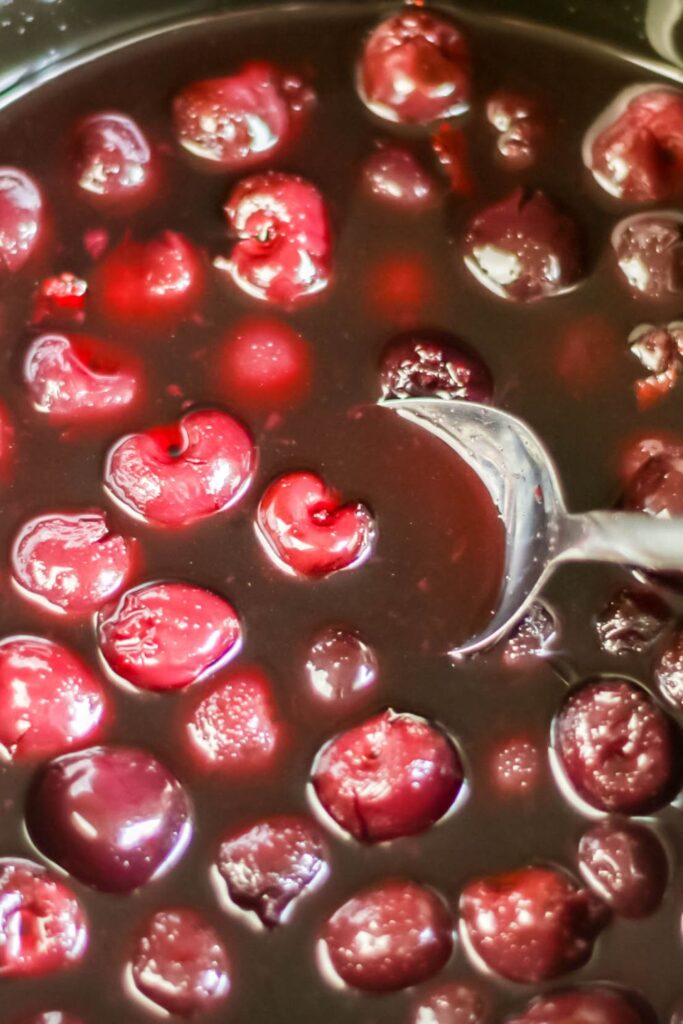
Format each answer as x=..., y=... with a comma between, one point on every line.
x=533, y=924
x=668, y=670
x=619, y=751
x=433, y=364
x=113, y=817
x=113, y=161
x=587, y=353
x=179, y=963
x=42, y=925
x=455, y=1002
x=303, y=524
x=341, y=667
x=659, y=351
x=392, y=776
x=390, y=936
x=49, y=700
x=625, y=865
x=519, y=122
x=635, y=148
x=649, y=252
x=21, y=219
x=161, y=636
x=283, y=252
x=590, y=1005
x=71, y=562
x=60, y=298
x=234, y=728
x=523, y=248
x=181, y=472
x=656, y=487
x=149, y=286
x=631, y=621
x=394, y=174
x=415, y=68
x=643, y=446
x=516, y=765
x=268, y=866
x=531, y=637
x=266, y=364
x=242, y=119
x=452, y=150
x=49, y=1017
x=76, y=377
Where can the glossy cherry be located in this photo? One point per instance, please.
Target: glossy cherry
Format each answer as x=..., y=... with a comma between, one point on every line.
x=113, y=161
x=266, y=364
x=631, y=621
x=433, y=364
x=655, y=485
x=454, y=1002
x=625, y=865
x=668, y=669
x=648, y=249
x=22, y=219
x=341, y=668
x=519, y=122
x=393, y=174
x=590, y=1005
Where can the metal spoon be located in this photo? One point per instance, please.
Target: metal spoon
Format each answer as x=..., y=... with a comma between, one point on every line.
x=523, y=482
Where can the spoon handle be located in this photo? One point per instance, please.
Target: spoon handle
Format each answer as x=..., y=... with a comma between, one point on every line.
x=631, y=538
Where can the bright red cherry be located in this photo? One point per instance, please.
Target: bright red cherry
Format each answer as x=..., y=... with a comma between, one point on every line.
x=113, y=160
x=655, y=485
x=455, y=1002
x=533, y=924
x=433, y=364
x=42, y=925
x=21, y=219
x=161, y=636
x=648, y=248
x=268, y=866
x=113, y=817
x=304, y=525
x=392, y=776
x=176, y=474
x=625, y=865
x=60, y=298
x=415, y=68
x=71, y=562
x=266, y=363
x=452, y=150
x=390, y=936
x=76, y=377
x=180, y=964
x=394, y=174
x=589, y=1005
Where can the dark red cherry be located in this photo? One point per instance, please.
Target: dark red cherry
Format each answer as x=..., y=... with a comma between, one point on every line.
x=392, y=776
x=341, y=668
x=42, y=925
x=454, y=1002
x=60, y=298
x=642, y=446
x=390, y=936
x=268, y=866
x=71, y=562
x=533, y=924
x=516, y=765
x=519, y=122
x=113, y=817
x=180, y=964
x=523, y=248
x=21, y=219
x=415, y=67
x=113, y=161
x=618, y=749
x=658, y=350
x=625, y=865
x=176, y=474
x=589, y=1005
x=632, y=620
x=433, y=364
x=266, y=363
x=49, y=700
x=452, y=150
x=648, y=248
x=668, y=670
x=532, y=637
x=394, y=174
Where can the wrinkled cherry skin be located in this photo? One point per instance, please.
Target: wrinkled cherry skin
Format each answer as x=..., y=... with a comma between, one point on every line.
x=162, y=636
x=523, y=248
x=177, y=474
x=638, y=155
x=533, y=924
x=590, y=1005
x=393, y=174
x=42, y=925
x=284, y=247
x=77, y=377
x=388, y=937
x=268, y=866
x=22, y=219
x=618, y=749
x=415, y=67
x=649, y=252
x=266, y=364
x=113, y=161
x=394, y=775
x=180, y=964
x=71, y=562
x=454, y=1002
x=308, y=531
x=433, y=364
x=113, y=817
x=49, y=700
x=625, y=865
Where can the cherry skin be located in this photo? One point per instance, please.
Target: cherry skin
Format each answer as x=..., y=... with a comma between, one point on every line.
x=648, y=248
x=394, y=775
x=113, y=817
x=631, y=621
x=162, y=636
x=308, y=531
x=341, y=668
x=42, y=925
x=523, y=248
x=454, y=1002
x=60, y=298
x=394, y=175
x=49, y=700
x=266, y=364
x=533, y=924
x=113, y=161
x=520, y=124
x=668, y=670
x=177, y=474
x=590, y=1005
x=268, y=866
x=415, y=68
x=283, y=252
x=388, y=937
x=234, y=728
x=452, y=150
x=22, y=219
x=71, y=562
x=180, y=964
x=625, y=865
x=76, y=377
x=433, y=364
